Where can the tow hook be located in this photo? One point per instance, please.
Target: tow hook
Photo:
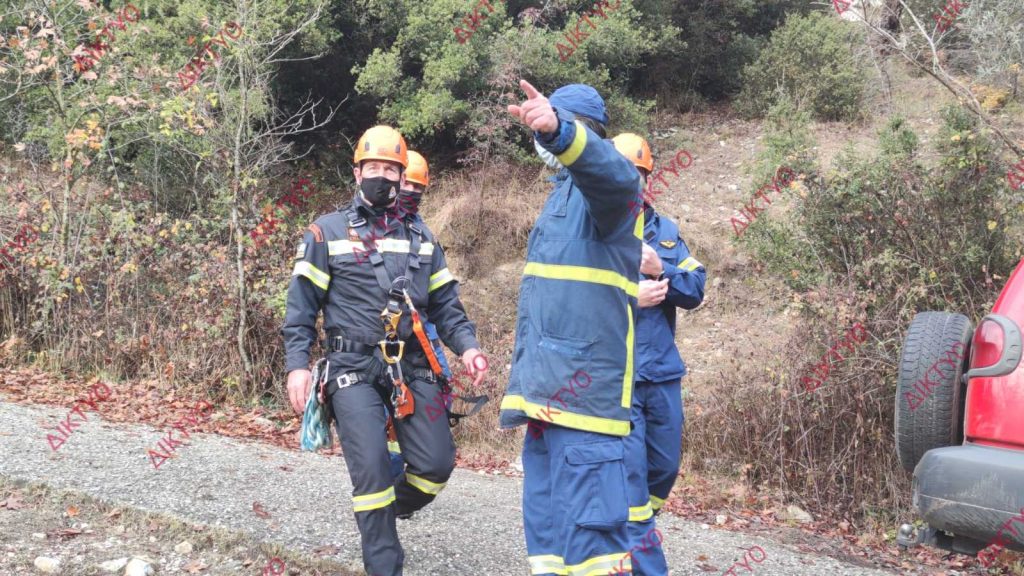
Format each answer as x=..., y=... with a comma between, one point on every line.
x=907, y=536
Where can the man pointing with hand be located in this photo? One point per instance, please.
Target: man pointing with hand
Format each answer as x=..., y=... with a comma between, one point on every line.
x=572, y=365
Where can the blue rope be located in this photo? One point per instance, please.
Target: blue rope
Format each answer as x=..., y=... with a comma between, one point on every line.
x=316, y=427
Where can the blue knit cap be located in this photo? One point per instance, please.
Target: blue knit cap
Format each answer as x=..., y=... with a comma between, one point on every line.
x=581, y=100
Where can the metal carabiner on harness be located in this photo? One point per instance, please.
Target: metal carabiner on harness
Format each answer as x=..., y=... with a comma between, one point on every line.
x=392, y=349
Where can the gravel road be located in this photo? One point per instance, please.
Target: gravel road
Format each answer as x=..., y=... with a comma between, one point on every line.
x=474, y=528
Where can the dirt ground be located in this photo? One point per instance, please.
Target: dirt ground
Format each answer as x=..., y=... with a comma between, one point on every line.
x=36, y=521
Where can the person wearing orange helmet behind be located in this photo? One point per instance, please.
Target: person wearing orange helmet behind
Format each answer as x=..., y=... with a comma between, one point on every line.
x=359, y=264
x=417, y=178
x=672, y=279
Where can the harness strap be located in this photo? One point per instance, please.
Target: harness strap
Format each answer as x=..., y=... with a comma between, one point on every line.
x=339, y=343
x=362, y=228
x=413, y=263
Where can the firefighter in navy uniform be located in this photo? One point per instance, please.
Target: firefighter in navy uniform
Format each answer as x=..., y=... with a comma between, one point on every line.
x=673, y=279
x=362, y=265
x=572, y=363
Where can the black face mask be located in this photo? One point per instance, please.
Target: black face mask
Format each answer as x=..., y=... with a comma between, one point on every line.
x=379, y=191
x=408, y=202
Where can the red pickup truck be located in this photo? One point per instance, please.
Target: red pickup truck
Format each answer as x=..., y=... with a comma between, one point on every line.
x=960, y=426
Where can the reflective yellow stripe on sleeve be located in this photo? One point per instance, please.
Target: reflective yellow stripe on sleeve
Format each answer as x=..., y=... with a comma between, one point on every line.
x=656, y=502
x=579, y=142
x=582, y=274
x=373, y=501
x=565, y=418
x=641, y=513
x=424, y=485
x=315, y=275
x=440, y=278
x=690, y=264
x=394, y=447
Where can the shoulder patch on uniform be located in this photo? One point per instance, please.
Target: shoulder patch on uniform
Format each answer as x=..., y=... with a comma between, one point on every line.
x=300, y=252
x=318, y=234
x=668, y=243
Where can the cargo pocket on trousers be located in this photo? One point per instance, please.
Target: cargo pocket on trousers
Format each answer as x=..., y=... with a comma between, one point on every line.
x=596, y=480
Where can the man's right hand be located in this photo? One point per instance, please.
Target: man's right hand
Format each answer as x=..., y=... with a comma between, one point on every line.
x=300, y=382
x=652, y=292
x=535, y=112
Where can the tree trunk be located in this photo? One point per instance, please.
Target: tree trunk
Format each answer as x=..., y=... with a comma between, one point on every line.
x=240, y=269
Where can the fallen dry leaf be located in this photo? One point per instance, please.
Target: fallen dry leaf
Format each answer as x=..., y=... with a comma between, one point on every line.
x=258, y=509
x=328, y=550
x=195, y=567
x=72, y=511
x=13, y=503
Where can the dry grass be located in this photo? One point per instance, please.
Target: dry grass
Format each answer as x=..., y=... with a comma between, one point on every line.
x=483, y=219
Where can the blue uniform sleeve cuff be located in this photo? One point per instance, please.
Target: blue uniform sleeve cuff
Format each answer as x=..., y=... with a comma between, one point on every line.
x=558, y=141
x=467, y=343
x=669, y=270
x=296, y=364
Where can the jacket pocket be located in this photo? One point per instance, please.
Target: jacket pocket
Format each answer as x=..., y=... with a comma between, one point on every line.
x=595, y=476
x=558, y=359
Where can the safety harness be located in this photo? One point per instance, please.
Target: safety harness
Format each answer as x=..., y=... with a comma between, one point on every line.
x=400, y=401
x=435, y=366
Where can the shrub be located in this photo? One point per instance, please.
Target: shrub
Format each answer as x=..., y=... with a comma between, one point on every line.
x=876, y=241
x=811, y=60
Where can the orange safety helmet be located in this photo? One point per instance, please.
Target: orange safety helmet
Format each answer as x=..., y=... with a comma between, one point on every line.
x=382, y=143
x=417, y=171
x=634, y=147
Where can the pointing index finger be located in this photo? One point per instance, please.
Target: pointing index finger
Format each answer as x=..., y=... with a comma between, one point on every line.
x=531, y=92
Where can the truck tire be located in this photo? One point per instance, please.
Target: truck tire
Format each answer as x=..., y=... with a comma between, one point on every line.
x=930, y=412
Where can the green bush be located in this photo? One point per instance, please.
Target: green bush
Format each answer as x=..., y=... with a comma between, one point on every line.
x=439, y=90
x=896, y=229
x=875, y=241
x=811, y=60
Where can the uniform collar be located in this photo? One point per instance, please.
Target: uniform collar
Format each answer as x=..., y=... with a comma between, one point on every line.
x=650, y=216
x=373, y=214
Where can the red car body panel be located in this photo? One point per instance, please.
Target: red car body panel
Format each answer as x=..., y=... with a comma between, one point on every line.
x=995, y=406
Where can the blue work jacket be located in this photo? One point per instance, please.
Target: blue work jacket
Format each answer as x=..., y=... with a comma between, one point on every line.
x=572, y=363
x=658, y=358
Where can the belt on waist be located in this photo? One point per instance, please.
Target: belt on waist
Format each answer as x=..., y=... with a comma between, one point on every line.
x=339, y=343
x=350, y=378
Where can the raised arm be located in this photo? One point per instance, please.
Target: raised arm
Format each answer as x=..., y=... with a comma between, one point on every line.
x=607, y=179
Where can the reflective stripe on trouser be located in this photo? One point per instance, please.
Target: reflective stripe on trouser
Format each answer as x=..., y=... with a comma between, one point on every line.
x=377, y=496
x=648, y=559
x=427, y=448
x=575, y=509
x=663, y=414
